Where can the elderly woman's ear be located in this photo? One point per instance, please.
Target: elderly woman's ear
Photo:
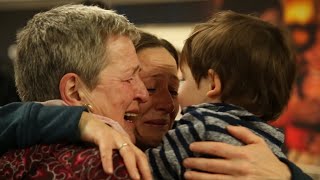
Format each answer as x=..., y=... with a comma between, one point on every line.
x=72, y=89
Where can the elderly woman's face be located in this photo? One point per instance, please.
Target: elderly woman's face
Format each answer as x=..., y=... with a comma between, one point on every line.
x=159, y=74
x=119, y=83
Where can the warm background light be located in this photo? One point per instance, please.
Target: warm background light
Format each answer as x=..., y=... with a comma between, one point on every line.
x=299, y=11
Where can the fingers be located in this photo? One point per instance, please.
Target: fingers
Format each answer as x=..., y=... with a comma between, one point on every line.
x=95, y=131
x=136, y=161
x=215, y=149
x=194, y=175
x=244, y=135
x=225, y=150
x=105, y=147
x=215, y=166
x=129, y=158
x=203, y=164
x=252, y=161
x=106, y=158
x=143, y=164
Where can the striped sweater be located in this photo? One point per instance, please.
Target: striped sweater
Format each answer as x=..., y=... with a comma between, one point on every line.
x=206, y=122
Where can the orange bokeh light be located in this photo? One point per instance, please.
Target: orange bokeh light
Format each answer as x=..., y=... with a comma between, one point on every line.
x=300, y=37
x=299, y=11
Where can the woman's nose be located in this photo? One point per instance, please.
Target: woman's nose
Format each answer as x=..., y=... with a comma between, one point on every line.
x=165, y=101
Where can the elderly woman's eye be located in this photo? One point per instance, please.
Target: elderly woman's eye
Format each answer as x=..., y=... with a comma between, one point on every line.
x=129, y=80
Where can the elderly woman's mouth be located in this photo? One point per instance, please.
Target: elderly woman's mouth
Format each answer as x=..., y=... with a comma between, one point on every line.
x=130, y=117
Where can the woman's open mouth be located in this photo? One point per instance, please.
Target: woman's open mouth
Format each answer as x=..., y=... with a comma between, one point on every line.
x=130, y=117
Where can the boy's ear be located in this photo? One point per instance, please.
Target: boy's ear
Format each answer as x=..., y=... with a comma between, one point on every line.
x=70, y=89
x=215, y=84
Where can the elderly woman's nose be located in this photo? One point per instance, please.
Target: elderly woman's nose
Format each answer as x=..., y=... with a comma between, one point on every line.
x=141, y=92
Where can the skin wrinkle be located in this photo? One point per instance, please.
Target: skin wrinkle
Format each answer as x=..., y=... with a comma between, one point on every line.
x=118, y=83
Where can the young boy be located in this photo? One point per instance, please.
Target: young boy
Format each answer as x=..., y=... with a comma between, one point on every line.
x=239, y=70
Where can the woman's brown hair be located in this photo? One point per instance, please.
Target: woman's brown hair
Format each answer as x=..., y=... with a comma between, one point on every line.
x=148, y=40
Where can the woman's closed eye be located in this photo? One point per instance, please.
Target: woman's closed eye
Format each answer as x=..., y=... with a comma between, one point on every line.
x=173, y=93
x=151, y=90
x=129, y=80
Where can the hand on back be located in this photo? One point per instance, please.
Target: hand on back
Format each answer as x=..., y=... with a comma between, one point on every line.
x=252, y=161
x=107, y=139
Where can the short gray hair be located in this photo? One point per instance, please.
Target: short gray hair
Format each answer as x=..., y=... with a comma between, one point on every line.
x=70, y=38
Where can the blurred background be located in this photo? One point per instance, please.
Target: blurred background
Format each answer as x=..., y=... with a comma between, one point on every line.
x=174, y=20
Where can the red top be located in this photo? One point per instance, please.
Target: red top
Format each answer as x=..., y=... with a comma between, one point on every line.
x=58, y=161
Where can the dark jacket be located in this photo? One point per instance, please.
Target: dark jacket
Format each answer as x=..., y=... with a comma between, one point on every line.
x=26, y=124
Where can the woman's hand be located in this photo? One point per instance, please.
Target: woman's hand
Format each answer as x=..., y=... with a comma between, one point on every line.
x=97, y=132
x=252, y=161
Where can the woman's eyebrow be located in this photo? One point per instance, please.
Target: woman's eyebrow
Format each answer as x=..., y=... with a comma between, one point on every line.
x=175, y=78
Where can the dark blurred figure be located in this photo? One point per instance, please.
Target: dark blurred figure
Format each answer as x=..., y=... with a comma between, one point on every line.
x=8, y=91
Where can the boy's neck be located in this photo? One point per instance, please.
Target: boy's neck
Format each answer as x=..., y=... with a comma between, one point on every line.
x=216, y=100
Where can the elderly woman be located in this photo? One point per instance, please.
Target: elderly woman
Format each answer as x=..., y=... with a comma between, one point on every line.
x=86, y=57
x=162, y=87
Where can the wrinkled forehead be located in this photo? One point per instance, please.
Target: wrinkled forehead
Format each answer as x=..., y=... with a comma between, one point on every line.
x=150, y=68
x=161, y=74
x=157, y=61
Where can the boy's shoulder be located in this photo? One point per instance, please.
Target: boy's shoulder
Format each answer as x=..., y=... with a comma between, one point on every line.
x=211, y=112
x=219, y=113
x=215, y=108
